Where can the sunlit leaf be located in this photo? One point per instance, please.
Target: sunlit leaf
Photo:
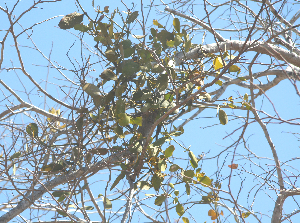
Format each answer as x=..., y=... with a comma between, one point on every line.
x=176, y=24
x=193, y=159
x=219, y=82
x=185, y=220
x=107, y=203
x=246, y=215
x=212, y=214
x=136, y=121
x=156, y=23
x=179, y=209
x=169, y=151
x=218, y=63
x=174, y=167
x=123, y=119
x=187, y=189
x=242, y=78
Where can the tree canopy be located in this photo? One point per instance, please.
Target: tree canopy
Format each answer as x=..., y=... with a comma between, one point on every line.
x=149, y=111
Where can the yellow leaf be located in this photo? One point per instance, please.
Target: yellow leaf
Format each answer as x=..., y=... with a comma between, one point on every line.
x=212, y=214
x=233, y=166
x=218, y=63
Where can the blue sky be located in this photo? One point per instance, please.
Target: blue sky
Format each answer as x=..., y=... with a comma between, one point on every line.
x=203, y=135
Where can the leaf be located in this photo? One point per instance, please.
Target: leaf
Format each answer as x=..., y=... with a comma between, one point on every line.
x=193, y=159
x=171, y=185
x=160, y=141
x=187, y=188
x=218, y=63
x=70, y=20
x=15, y=155
x=63, y=213
x=163, y=82
x=14, y=169
x=89, y=208
x=130, y=67
x=108, y=74
x=176, y=192
x=187, y=45
x=120, y=106
x=79, y=123
x=91, y=89
x=170, y=43
x=156, y=23
x=32, y=129
x=212, y=214
x=233, y=166
x=156, y=181
x=179, y=209
x=176, y=24
x=111, y=55
x=132, y=17
x=60, y=193
x=246, y=215
x=159, y=200
x=246, y=97
x=107, y=203
x=174, y=167
x=223, y=117
x=205, y=180
x=219, y=82
x=117, y=180
x=185, y=220
x=178, y=40
x=61, y=198
x=136, y=121
x=169, y=151
x=106, y=9
x=81, y=27
x=234, y=68
x=123, y=119
x=190, y=174
x=242, y=78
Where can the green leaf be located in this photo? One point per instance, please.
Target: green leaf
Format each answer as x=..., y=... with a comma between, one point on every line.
x=111, y=55
x=176, y=24
x=123, y=119
x=156, y=181
x=187, y=46
x=32, y=129
x=63, y=213
x=81, y=27
x=190, y=174
x=169, y=151
x=176, y=192
x=171, y=43
x=205, y=180
x=223, y=117
x=108, y=74
x=88, y=208
x=117, y=180
x=61, y=198
x=126, y=43
x=91, y=90
x=160, y=141
x=60, y=193
x=171, y=185
x=178, y=40
x=193, y=159
x=120, y=106
x=185, y=220
x=174, y=167
x=187, y=188
x=15, y=155
x=136, y=121
x=234, y=68
x=70, y=20
x=179, y=209
x=162, y=165
x=107, y=203
x=130, y=67
x=159, y=200
x=132, y=17
x=163, y=82
x=242, y=78
x=79, y=123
